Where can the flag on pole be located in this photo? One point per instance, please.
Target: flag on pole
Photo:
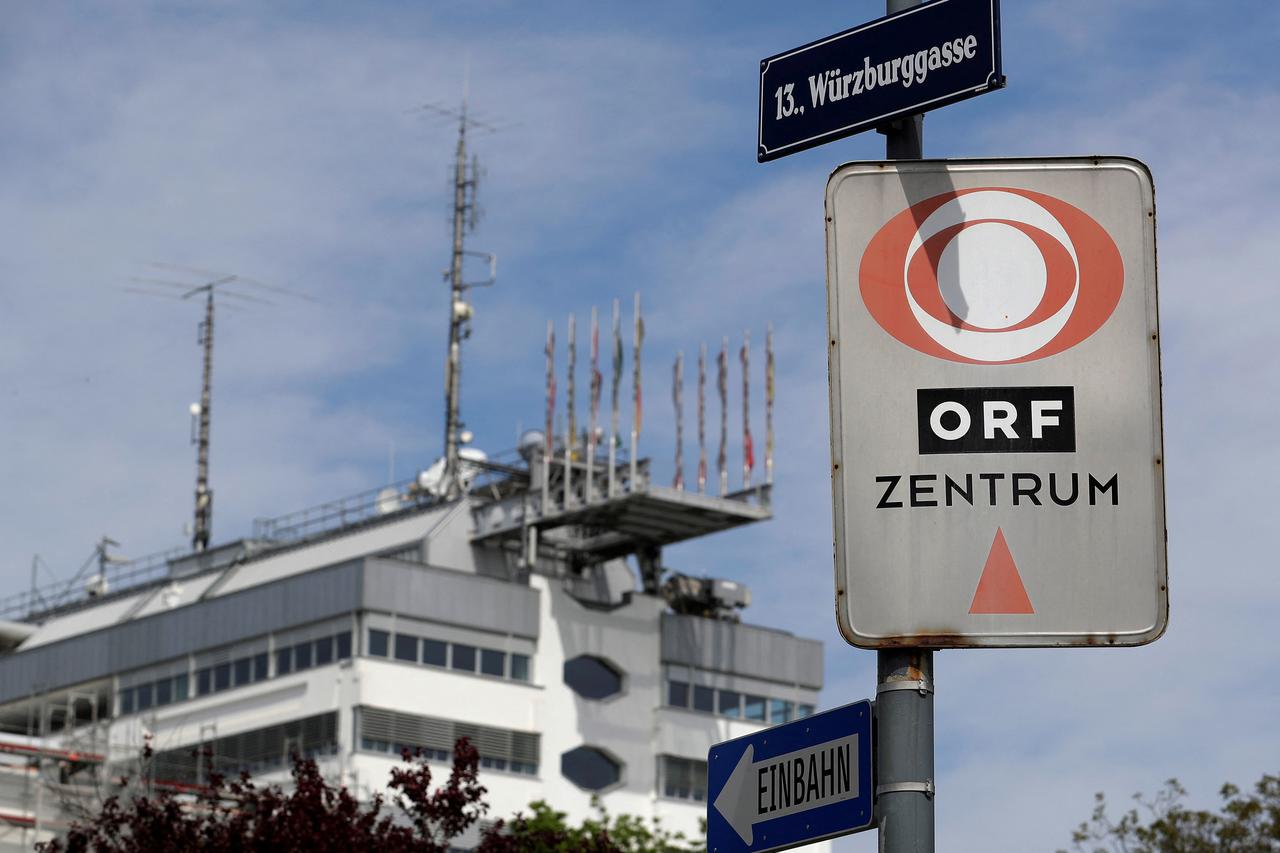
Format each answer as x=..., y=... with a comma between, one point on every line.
x=677, y=393
x=768, y=405
x=702, y=419
x=597, y=380
x=722, y=385
x=551, y=386
x=571, y=431
x=748, y=452
x=639, y=341
x=617, y=365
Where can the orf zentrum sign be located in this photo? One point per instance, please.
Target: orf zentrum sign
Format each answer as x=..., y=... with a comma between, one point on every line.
x=995, y=400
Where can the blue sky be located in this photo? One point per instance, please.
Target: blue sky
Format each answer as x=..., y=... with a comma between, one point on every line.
x=278, y=142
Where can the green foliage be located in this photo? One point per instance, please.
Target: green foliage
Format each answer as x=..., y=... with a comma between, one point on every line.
x=1246, y=823
x=545, y=830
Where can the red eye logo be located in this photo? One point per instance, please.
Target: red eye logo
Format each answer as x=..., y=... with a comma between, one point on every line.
x=993, y=275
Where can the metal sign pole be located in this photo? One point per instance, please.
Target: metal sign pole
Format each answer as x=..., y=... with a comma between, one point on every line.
x=904, y=688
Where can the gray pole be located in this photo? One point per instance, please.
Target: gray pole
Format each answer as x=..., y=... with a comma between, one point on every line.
x=204, y=497
x=904, y=689
x=453, y=370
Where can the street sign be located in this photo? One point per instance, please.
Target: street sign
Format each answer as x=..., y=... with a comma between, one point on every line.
x=792, y=784
x=920, y=59
x=997, y=449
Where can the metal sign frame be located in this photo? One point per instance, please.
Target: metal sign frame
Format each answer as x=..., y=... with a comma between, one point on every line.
x=848, y=727
x=894, y=570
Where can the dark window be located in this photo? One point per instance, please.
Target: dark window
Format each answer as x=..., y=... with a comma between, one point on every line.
x=284, y=661
x=493, y=663
x=180, y=687
x=222, y=676
x=703, y=698
x=126, y=701
x=464, y=657
x=683, y=778
x=260, y=666
x=754, y=707
x=407, y=647
x=243, y=670
x=204, y=681
x=343, y=643
x=164, y=692
x=592, y=677
x=378, y=643
x=728, y=703
x=435, y=652
x=302, y=656
x=804, y=711
x=678, y=694
x=324, y=651
x=590, y=768
x=780, y=711
x=520, y=670
x=144, y=696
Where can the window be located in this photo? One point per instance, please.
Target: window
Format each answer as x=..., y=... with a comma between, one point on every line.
x=284, y=661
x=780, y=711
x=407, y=648
x=382, y=730
x=493, y=663
x=260, y=667
x=728, y=704
x=221, y=676
x=180, y=687
x=343, y=643
x=143, y=696
x=126, y=701
x=243, y=670
x=682, y=778
x=592, y=677
x=590, y=768
x=204, y=681
x=804, y=711
x=520, y=668
x=435, y=653
x=678, y=694
x=302, y=656
x=378, y=643
x=703, y=699
x=464, y=657
x=164, y=691
x=324, y=651
x=753, y=708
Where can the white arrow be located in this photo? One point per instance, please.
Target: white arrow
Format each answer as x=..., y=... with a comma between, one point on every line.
x=783, y=785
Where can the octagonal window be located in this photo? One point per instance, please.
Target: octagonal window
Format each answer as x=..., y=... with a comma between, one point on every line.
x=592, y=677
x=590, y=768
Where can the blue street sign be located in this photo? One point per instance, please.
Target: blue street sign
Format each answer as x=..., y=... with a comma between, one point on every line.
x=919, y=59
x=792, y=784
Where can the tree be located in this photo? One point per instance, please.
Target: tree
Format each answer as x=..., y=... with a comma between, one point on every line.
x=1247, y=823
x=315, y=817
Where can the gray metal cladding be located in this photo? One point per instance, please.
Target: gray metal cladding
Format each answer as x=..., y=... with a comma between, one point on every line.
x=374, y=584
x=741, y=649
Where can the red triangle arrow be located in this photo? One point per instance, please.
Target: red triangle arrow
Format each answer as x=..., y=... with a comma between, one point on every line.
x=1000, y=588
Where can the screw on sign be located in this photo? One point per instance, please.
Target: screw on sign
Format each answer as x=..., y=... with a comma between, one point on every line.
x=995, y=403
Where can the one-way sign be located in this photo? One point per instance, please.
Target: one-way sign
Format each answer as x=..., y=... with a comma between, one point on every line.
x=792, y=784
x=919, y=59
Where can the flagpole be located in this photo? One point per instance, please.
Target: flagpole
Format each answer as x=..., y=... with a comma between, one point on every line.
x=637, y=403
x=551, y=410
x=595, y=398
x=617, y=377
x=570, y=425
x=677, y=393
x=722, y=385
x=748, y=452
x=702, y=419
x=769, y=377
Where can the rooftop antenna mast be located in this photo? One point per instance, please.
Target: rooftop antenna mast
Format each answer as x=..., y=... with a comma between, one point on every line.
x=218, y=283
x=466, y=178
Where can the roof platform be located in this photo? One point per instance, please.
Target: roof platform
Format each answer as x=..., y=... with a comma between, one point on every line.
x=599, y=524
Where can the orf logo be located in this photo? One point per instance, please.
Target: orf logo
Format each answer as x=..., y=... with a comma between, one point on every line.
x=994, y=275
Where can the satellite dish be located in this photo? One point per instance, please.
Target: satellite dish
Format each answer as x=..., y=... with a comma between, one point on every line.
x=388, y=500
x=96, y=586
x=531, y=441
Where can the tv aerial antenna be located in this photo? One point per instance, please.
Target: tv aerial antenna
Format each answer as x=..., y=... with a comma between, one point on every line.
x=466, y=214
x=216, y=287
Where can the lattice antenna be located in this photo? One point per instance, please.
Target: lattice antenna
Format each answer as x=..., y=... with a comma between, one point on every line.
x=217, y=290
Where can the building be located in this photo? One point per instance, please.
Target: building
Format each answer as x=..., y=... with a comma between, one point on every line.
x=529, y=611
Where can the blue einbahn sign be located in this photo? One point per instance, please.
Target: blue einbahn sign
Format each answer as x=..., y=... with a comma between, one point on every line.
x=792, y=784
x=919, y=59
